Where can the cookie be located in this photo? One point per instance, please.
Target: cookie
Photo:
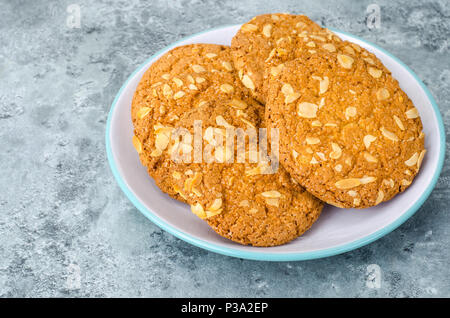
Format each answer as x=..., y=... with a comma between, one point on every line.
x=268, y=40
x=348, y=133
x=173, y=84
x=238, y=200
x=248, y=203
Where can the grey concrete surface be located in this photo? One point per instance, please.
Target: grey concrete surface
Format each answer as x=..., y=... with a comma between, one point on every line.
x=67, y=230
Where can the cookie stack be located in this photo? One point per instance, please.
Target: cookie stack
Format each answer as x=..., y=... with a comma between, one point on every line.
x=348, y=135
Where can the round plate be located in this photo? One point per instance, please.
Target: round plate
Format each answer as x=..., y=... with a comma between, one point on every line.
x=336, y=231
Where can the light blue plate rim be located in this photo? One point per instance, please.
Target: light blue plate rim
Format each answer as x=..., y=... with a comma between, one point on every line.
x=268, y=256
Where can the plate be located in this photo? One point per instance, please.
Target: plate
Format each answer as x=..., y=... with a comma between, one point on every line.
x=336, y=231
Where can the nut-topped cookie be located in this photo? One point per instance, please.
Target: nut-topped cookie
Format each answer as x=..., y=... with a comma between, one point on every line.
x=268, y=40
x=172, y=85
x=183, y=109
x=245, y=202
x=348, y=133
x=262, y=46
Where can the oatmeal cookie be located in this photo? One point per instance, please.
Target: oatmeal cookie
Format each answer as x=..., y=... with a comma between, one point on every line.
x=348, y=133
x=268, y=39
x=262, y=46
x=173, y=84
x=244, y=202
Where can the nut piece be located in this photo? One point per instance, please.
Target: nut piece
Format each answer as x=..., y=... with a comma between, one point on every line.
x=352, y=193
x=210, y=55
x=389, y=182
x=365, y=180
x=329, y=47
x=176, y=175
x=318, y=37
x=368, y=139
x=216, y=205
x=249, y=27
x=227, y=88
x=267, y=30
x=412, y=113
x=253, y=172
x=276, y=70
x=419, y=160
x=337, y=151
x=177, y=81
x=347, y=183
x=350, y=112
x=374, y=72
x=167, y=91
x=248, y=82
x=222, y=122
x=312, y=140
x=227, y=66
x=307, y=110
x=380, y=197
x=212, y=213
x=413, y=160
x=142, y=112
x=247, y=122
x=323, y=85
x=198, y=68
x=349, y=50
x=369, y=60
x=271, y=194
x=345, y=61
x=287, y=89
x=156, y=152
x=137, y=144
x=198, y=210
x=161, y=141
x=321, y=155
x=273, y=202
x=389, y=135
x=244, y=203
x=369, y=157
x=200, y=80
x=190, y=183
x=291, y=98
x=383, y=94
x=238, y=104
x=178, y=94
x=399, y=123
x=190, y=79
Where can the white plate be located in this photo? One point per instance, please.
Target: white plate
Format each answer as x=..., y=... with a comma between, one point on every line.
x=336, y=231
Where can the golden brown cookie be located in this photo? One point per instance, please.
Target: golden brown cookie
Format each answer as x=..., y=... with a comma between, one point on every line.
x=171, y=86
x=236, y=199
x=348, y=133
x=267, y=41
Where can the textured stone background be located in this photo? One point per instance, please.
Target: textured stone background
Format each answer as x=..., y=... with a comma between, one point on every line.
x=66, y=229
